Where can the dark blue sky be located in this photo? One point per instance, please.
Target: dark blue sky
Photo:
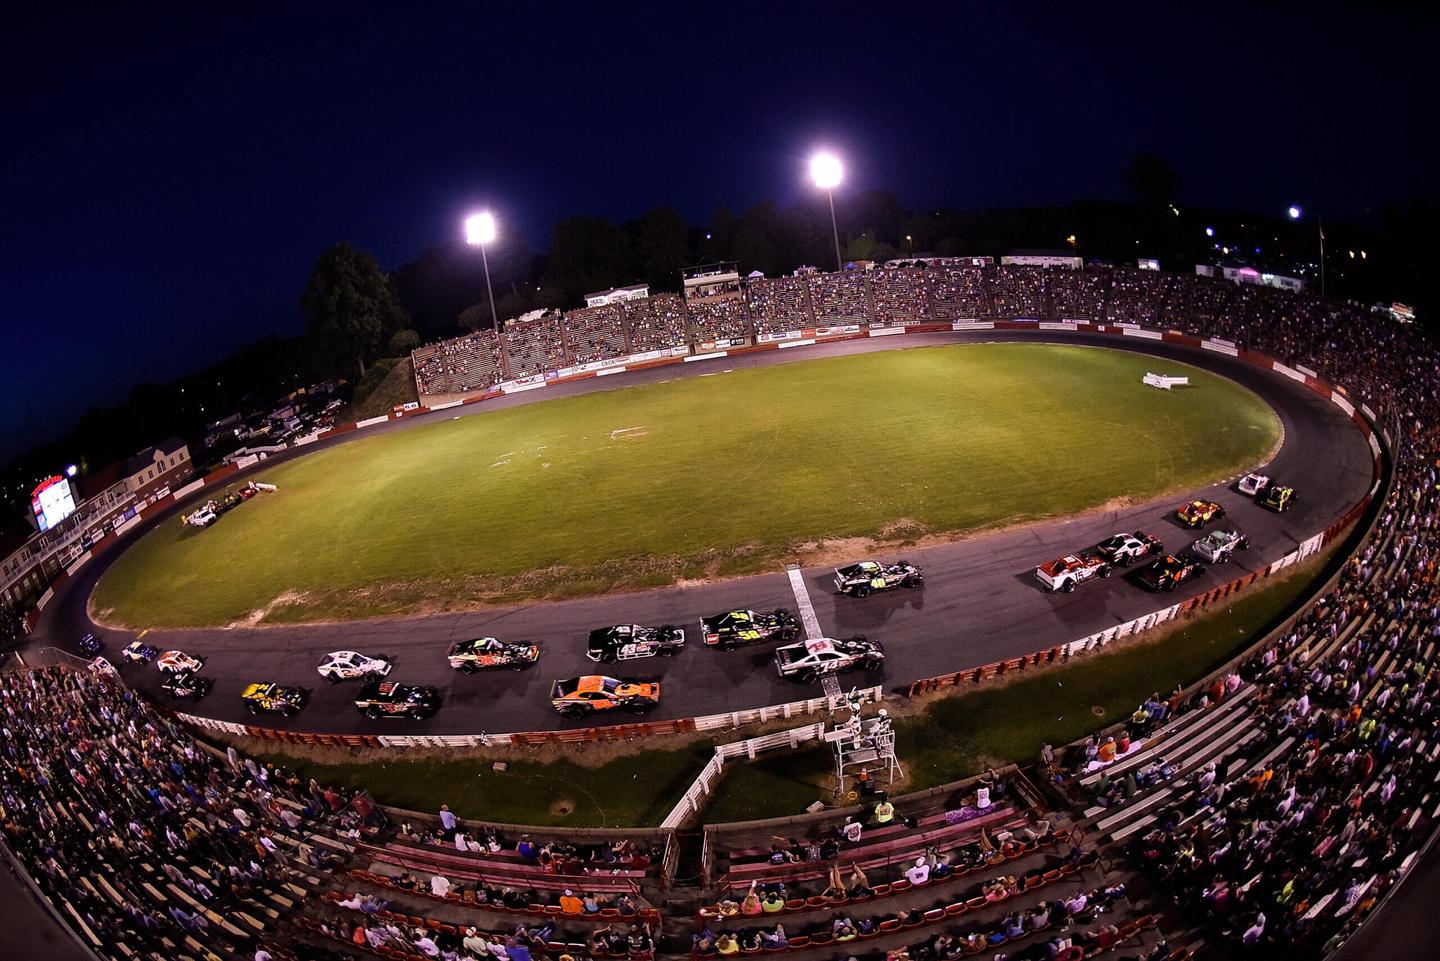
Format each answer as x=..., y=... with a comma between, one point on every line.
x=170, y=174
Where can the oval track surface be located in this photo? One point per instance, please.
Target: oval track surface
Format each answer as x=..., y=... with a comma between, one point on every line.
x=980, y=603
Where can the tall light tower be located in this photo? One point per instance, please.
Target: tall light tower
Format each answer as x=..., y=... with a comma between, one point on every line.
x=1295, y=214
x=479, y=232
x=825, y=171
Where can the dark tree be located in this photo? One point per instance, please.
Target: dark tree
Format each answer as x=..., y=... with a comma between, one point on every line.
x=1152, y=180
x=350, y=309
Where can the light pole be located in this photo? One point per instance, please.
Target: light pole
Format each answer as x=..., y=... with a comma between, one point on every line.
x=480, y=231
x=1295, y=214
x=825, y=171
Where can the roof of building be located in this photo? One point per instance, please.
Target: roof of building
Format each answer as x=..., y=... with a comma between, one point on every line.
x=146, y=458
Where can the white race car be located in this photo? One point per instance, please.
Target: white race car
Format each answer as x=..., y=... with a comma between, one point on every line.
x=1252, y=484
x=172, y=662
x=1217, y=547
x=348, y=665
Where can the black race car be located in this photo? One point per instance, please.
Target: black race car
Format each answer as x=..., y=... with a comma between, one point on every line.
x=186, y=685
x=1165, y=573
x=90, y=645
x=733, y=628
x=866, y=577
x=1276, y=497
x=625, y=642
x=1122, y=550
x=379, y=699
x=488, y=654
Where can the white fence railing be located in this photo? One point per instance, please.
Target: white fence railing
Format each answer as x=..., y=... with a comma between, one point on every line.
x=704, y=782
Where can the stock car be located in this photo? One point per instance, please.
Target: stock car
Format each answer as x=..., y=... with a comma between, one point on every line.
x=1122, y=550
x=378, y=699
x=733, y=628
x=347, y=665
x=137, y=652
x=1169, y=571
x=1199, y=513
x=807, y=660
x=1252, y=484
x=625, y=642
x=578, y=696
x=1276, y=497
x=488, y=654
x=1217, y=547
x=274, y=699
x=1063, y=573
x=90, y=645
x=172, y=662
x=187, y=686
x=859, y=580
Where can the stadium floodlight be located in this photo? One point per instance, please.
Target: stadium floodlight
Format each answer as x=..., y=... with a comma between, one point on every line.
x=825, y=171
x=480, y=228
x=480, y=232
x=1295, y=214
x=1209, y=231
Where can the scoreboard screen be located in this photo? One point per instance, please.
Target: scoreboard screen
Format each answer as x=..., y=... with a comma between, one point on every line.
x=53, y=501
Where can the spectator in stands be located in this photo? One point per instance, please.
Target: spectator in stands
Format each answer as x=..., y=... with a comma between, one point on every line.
x=447, y=821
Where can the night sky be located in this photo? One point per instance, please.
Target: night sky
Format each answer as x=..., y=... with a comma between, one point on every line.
x=170, y=174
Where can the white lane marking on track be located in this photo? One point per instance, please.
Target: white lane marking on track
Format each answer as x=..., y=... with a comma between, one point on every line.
x=802, y=602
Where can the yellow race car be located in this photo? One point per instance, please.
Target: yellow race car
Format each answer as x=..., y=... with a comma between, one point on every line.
x=1199, y=513
x=274, y=699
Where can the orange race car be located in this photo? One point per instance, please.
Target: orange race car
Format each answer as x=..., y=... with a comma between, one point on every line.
x=578, y=696
x=1199, y=513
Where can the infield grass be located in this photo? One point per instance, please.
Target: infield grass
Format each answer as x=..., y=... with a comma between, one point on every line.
x=699, y=477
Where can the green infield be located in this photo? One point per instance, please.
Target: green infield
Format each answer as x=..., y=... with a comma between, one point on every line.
x=698, y=477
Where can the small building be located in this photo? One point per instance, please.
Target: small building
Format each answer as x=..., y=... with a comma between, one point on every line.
x=167, y=464
x=616, y=295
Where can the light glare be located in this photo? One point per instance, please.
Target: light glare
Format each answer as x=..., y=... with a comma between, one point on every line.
x=825, y=170
x=1294, y=213
x=480, y=228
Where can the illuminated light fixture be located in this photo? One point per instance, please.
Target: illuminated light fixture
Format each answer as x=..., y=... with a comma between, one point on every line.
x=825, y=171
x=1209, y=231
x=479, y=232
x=1294, y=213
x=480, y=228
x=71, y=471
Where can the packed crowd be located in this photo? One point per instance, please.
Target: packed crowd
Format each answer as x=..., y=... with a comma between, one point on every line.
x=723, y=319
x=900, y=296
x=839, y=298
x=144, y=841
x=960, y=293
x=1020, y=292
x=1198, y=305
x=779, y=305
x=1289, y=854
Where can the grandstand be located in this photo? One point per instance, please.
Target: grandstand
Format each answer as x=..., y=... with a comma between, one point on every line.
x=1079, y=294
x=595, y=334
x=839, y=298
x=533, y=347
x=779, y=305
x=656, y=323
x=717, y=319
x=960, y=293
x=899, y=296
x=1136, y=296
x=1019, y=292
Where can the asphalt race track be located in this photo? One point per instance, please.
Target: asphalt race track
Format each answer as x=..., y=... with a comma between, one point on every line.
x=980, y=603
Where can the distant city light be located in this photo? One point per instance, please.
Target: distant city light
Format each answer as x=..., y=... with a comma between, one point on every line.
x=825, y=171
x=1209, y=231
x=1294, y=213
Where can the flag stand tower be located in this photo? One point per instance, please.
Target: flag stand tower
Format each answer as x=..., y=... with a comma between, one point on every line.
x=867, y=742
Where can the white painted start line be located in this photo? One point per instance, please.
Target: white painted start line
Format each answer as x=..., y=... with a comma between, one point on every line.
x=802, y=603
